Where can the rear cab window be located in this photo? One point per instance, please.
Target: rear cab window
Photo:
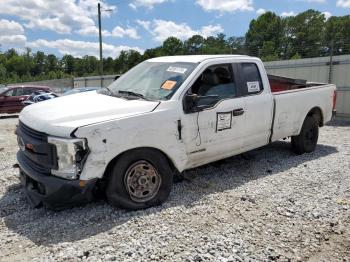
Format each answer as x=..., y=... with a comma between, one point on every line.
x=250, y=80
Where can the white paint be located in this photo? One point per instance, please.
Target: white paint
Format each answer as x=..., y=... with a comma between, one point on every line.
x=129, y=124
x=61, y=116
x=191, y=58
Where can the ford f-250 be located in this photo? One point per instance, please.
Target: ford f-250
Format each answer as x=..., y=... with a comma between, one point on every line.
x=162, y=117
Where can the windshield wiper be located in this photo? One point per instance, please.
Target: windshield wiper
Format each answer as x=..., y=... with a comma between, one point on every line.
x=109, y=89
x=106, y=91
x=130, y=93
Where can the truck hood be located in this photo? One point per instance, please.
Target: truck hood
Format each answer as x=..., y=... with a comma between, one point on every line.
x=61, y=116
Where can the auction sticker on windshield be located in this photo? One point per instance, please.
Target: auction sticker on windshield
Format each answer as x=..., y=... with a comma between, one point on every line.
x=168, y=85
x=179, y=70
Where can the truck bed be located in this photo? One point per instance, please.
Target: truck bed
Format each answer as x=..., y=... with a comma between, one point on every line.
x=281, y=83
x=294, y=99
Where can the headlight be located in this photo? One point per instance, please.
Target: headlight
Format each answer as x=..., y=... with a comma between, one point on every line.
x=70, y=156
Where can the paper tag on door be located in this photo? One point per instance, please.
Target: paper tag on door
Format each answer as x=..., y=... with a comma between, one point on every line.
x=253, y=86
x=224, y=121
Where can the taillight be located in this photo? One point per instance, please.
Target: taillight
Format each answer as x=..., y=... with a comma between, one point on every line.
x=334, y=100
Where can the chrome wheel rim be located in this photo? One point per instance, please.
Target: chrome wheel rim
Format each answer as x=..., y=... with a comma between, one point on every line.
x=142, y=181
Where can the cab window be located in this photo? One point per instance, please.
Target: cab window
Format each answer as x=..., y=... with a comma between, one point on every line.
x=217, y=81
x=251, y=79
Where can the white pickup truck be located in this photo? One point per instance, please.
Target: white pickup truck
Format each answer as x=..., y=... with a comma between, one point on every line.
x=162, y=117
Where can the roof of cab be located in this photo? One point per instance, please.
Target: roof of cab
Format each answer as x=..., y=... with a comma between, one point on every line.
x=27, y=86
x=191, y=58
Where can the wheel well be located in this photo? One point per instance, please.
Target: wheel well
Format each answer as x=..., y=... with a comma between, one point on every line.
x=316, y=113
x=111, y=163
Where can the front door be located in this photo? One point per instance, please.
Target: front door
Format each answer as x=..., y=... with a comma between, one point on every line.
x=216, y=132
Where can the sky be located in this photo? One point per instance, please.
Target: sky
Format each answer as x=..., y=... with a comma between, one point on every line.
x=70, y=26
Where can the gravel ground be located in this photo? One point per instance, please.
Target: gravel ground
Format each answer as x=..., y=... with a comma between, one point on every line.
x=268, y=204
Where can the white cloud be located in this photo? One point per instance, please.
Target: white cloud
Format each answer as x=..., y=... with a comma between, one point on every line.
x=145, y=3
x=10, y=27
x=121, y=32
x=10, y=41
x=210, y=30
x=286, y=14
x=162, y=29
x=145, y=24
x=343, y=3
x=11, y=34
x=62, y=16
x=226, y=5
x=92, y=31
x=80, y=48
x=261, y=11
x=327, y=15
x=116, y=32
x=53, y=24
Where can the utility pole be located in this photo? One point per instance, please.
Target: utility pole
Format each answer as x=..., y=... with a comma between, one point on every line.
x=330, y=76
x=100, y=37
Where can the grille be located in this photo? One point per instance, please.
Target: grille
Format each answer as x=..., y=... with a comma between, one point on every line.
x=32, y=133
x=29, y=163
x=41, y=157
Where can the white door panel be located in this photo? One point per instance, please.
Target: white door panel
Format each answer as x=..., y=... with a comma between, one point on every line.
x=259, y=111
x=214, y=137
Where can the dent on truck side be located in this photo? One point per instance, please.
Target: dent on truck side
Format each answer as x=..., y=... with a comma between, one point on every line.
x=107, y=140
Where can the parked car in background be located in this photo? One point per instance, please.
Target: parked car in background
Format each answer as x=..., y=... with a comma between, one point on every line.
x=3, y=89
x=11, y=97
x=39, y=96
x=80, y=90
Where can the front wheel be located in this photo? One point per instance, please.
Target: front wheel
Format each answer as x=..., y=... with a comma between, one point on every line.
x=306, y=141
x=139, y=179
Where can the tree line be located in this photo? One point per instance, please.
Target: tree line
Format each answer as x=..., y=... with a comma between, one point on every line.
x=270, y=37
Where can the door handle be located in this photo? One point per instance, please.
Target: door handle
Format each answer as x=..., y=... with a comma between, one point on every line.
x=238, y=112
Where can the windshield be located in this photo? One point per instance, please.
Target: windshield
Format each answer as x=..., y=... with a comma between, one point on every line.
x=153, y=80
x=3, y=89
x=70, y=92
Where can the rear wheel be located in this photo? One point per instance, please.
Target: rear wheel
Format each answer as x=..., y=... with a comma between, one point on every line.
x=306, y=141
x=139, y=179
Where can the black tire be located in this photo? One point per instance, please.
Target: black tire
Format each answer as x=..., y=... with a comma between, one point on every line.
x=306, y=141
x=121, y=193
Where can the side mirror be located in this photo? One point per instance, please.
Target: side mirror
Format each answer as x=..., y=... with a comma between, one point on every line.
x=195, y=103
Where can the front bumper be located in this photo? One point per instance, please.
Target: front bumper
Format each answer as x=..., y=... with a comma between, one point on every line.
x=53, y=192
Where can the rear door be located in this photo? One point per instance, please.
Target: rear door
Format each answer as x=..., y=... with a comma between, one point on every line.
x=258, y=105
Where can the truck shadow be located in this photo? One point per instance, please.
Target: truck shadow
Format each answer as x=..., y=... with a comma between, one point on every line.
x=338, y=122
x=45, y=227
